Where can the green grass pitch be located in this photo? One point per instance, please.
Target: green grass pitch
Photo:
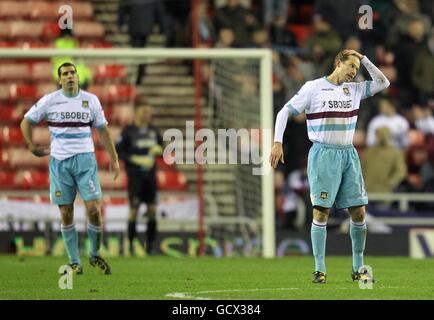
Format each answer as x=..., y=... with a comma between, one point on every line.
x=216, y=279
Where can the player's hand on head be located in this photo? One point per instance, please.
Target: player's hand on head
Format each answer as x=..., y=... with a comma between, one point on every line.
x=276, y=154
x=354, y=53
x=40, y=151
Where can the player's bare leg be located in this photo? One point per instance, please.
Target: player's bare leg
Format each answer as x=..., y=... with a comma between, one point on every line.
x=358, y=239
x=94, y=230
x=69, y=234
x=319, y=236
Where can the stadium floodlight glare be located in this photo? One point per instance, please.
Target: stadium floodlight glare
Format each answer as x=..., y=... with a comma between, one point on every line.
x=233, y=69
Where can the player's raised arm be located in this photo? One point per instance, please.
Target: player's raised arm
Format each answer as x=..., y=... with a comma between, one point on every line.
x=379, y=80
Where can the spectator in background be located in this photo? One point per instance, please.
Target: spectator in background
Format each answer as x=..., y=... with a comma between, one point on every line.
x=422, y=73
x=294, y=78
x=275, y=10
x=406, y=49
x=419, y=178
x=290, y=73
x=419, y=155
x=275, y=19
x=322, y=44
x=67, y=40
x=138, y=146
x=386, y=60
x=260, y=38
x=225, y=39
x=378, y=34
x=342, y=14
x=400, y=15
x=279, y=191
x=424, y=123
x=298, y=144
x=178, y=23
x=383, y=164
x=296, y=189
x=388, y=117
x=141, y=16
x=206, y=25
x=280, y=36
x=354, y=43
x=423, y=119
x=238, y=18
x=206, y=29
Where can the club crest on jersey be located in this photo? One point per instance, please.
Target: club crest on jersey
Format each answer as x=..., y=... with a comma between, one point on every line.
x=85, y=104
x=346, y=91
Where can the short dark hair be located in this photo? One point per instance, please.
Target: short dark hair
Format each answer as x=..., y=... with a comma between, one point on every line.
x=341, y=57
x=65, y=64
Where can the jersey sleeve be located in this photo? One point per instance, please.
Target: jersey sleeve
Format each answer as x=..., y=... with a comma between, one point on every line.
x=99, y=120
x=38, y=111
x=300, y=101
x=378, y=83
x=364, y=89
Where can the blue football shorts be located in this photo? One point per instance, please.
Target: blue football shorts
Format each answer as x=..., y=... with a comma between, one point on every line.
x=335, y=176
x=77, y=173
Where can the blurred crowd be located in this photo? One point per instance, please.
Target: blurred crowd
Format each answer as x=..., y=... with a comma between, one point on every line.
x=395, y=131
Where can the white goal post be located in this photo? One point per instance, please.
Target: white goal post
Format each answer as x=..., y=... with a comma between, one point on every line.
x=264, y=58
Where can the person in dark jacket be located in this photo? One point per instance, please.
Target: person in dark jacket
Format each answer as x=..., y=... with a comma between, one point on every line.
x=141, y=16
x=138, y=146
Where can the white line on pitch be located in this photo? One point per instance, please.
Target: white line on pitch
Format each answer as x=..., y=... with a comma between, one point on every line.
x=191, y=295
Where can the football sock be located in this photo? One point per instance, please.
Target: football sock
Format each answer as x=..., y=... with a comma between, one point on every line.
x=131, y=232
x=318, y=234
x=70, y=237
x=151, y=232
x=94, y=234
x=358, y=239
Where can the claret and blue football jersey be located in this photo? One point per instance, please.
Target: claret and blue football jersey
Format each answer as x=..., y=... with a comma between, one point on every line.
x=331, y=110
x=70, y=120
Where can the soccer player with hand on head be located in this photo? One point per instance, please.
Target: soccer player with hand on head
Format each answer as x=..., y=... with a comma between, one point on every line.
x=331, y=105
x=70, y=113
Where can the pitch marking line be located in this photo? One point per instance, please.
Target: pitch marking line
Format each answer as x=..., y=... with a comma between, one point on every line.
x=193, y=295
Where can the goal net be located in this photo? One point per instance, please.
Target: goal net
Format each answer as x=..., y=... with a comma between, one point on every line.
x=216, y=118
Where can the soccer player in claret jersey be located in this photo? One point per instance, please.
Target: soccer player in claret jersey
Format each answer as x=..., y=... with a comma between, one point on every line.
x=331, y=105
x=70, y=113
